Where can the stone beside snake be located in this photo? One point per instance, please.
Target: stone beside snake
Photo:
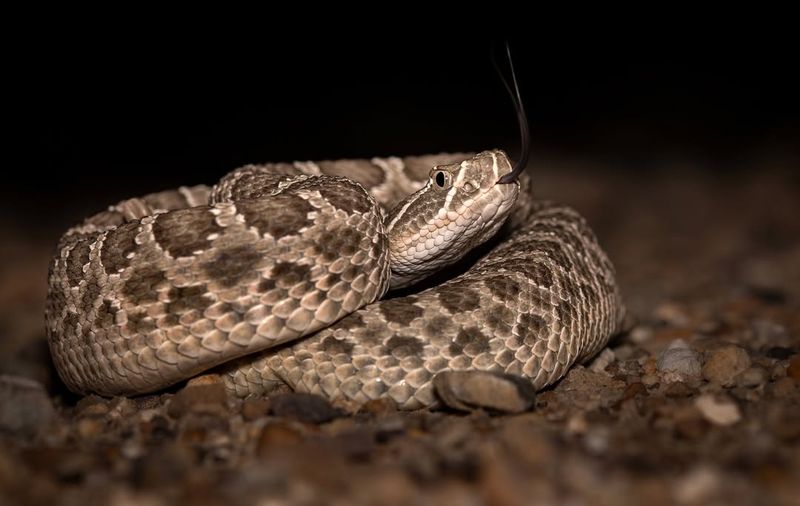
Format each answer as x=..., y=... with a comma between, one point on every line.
x=275, y=275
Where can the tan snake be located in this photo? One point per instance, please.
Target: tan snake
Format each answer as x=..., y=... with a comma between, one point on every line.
x=284, y=265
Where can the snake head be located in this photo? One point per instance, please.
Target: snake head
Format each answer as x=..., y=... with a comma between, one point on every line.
x=461, y=206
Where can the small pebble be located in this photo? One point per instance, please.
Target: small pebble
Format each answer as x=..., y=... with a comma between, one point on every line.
x=302, y=407
x=679, y=363
x=752, y=377
x=723, y=412
x=698, y=486
x=671, y=313
x=724, y=364
x=603, y=360
x=202, y=394
x=468, y=390
x=92, y=405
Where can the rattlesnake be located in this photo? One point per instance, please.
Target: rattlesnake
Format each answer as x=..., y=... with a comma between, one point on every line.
x=276, y=273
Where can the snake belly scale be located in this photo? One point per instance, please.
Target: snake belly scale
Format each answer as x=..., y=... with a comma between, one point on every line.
x=275, y=275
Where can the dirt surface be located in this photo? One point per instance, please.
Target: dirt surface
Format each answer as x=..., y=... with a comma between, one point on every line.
x=699, y=403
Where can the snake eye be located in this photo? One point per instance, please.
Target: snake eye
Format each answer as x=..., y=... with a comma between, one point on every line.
x=441, y=179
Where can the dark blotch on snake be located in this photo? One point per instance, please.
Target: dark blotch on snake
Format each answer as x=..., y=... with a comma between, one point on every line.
x=347, y=197
x=288, y=274
x=232, y=264
x=401, y=310
x=531, y=324
x=117, y=246
x=78, y=257
x=503, y=287
x=186, y=298
x=334, y=346
x=279, y=216
x=141, y=287
x=105, y=315
x=182, y=233
x=470, y=341
x=455, y=299
x=404, y=346
x=140, y=323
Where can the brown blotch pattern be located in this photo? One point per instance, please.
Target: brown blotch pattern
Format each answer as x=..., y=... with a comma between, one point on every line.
x=336, y=242
x=116, y=247
x=265, y=285
x=555, y=251
x=105, y=315
x=503, y=287
x=232, y=264
x=288, y=274
x=531, y=324
x=141, y=286
x=335, y=346
x=181, y=233
x=78, y=257
x=404, y=346
x=400, y=310
x=456, y=299
x=140, y=323
x=279, y=216
x=186, y=298
x=347, y=197
x=470, y=341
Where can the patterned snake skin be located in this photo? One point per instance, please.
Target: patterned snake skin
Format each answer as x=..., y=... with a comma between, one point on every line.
x=275, y=273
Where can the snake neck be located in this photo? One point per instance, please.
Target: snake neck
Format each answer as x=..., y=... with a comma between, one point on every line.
x=460, y=207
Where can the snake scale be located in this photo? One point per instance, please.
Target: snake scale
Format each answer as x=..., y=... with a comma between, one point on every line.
x=278, y=275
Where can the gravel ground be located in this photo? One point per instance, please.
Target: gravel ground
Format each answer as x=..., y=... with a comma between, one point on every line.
x=699, y=403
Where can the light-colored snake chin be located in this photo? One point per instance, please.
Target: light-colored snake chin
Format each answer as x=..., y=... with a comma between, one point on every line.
x=440, y=223
x=274, y=277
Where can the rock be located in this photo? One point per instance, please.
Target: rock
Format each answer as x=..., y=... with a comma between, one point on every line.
x=724, y=364
x=603, y=360
x=202, y=394
x=639, y=335
x=723, y=412
x=672, y=314
x=302, y=407
x=793, y=371
x=699, y=486
x=254, y=408
x=92, y=405
x=468, y=390
x=679, y=363
x=25, y=408
x=752, y=377
x=90, y=427
x=277, y=436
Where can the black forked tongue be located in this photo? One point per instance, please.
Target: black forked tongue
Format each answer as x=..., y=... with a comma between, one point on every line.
x=524, y=132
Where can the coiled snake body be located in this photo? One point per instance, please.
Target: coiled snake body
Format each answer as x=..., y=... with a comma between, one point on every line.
x=282, y=266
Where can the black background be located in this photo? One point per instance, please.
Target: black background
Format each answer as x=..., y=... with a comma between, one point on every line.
x=105, y=117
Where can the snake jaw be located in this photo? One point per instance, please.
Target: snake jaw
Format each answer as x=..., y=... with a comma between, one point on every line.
x=437, y=226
